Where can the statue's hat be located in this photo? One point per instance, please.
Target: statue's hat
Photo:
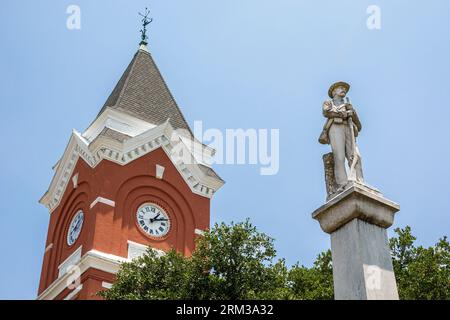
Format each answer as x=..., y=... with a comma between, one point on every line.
x=338, y=84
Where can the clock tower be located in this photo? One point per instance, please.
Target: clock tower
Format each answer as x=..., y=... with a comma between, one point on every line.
x=136, y=178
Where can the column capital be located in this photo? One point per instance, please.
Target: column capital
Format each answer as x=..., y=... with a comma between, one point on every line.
x=357, y=201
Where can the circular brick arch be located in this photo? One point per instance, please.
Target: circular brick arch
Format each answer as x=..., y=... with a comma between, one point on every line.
x=78, y=199
x=141, y=189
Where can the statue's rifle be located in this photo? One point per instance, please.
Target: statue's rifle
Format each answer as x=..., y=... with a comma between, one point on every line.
x=355, y=155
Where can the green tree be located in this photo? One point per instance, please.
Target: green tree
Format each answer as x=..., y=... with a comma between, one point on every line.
x=421, y=273
x=238, y=262
x=151, y=277
x=314, y=283
x=230, y=262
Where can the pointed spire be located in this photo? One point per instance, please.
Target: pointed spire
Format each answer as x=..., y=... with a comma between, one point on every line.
x=143, y=93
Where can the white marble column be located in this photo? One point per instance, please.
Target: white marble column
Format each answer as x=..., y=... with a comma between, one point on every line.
x=357, y=220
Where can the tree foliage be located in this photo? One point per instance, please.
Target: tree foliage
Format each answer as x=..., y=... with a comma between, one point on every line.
x=233, y=262
x=230, y=262
x=314, y=283
x=421, y=273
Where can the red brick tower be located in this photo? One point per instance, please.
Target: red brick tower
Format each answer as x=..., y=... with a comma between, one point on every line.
x=135, y=178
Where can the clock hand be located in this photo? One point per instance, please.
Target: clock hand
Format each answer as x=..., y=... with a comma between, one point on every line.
x=154, y=219
x=76, y=227
x=151, y=220
x=162, y=219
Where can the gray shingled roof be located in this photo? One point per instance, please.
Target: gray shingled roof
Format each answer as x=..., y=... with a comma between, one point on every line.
x=143, y=93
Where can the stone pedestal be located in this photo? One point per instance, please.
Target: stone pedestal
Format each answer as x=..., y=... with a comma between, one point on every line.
x=357, y=220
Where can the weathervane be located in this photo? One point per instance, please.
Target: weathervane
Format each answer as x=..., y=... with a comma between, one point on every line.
x=145, y=22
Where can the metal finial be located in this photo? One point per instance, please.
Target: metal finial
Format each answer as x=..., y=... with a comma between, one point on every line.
x=145, y=22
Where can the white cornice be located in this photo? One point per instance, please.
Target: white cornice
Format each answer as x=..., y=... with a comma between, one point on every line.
x=118, y=121
x=91, y=259
x=74, y=292
x=122, y=153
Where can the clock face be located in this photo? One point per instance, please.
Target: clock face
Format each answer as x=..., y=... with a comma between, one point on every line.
x=75, y=228
x=153, y=220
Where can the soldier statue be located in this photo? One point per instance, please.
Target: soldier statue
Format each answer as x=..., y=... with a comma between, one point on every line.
x=340, y=131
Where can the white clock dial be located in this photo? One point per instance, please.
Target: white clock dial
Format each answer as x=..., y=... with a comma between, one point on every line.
x=75, y=228
x=153, y=220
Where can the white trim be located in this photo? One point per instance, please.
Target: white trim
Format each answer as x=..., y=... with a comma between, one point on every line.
x=117, y=121
x=75, y=180
x=48, y=247
x=202, y=153
x=56, y=165
x=199, y=232
x=104, y=261
x=159, y=171
x=143, y=47
x=104, y=201
x=70, y=261
x=162, y=136
x=74, y=292
x=91, y=259
x=136, y=244
x=136, y=250
x=95, y=259
x=107, y=285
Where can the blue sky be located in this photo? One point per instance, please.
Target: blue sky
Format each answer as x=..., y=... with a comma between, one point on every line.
x=232, y=64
